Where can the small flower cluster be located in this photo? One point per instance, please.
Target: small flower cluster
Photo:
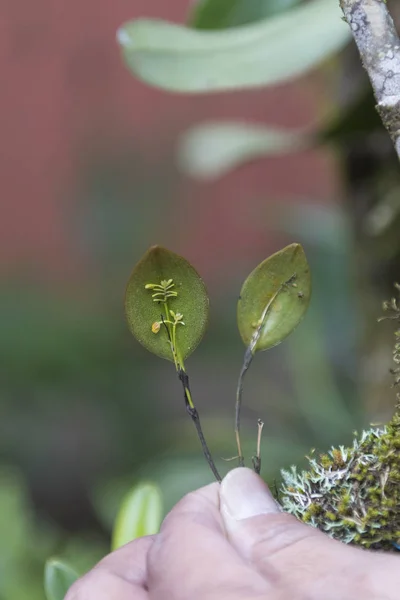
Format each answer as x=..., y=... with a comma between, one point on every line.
x=162, y=291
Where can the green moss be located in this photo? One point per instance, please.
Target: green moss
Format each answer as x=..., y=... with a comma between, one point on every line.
x=326, y=461
x=330, y=515
x=359, y=493
x=314, y=509
x=307, y=516
x=353, y=493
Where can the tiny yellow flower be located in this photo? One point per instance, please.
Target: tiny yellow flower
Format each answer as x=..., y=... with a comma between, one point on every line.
x=156, y=327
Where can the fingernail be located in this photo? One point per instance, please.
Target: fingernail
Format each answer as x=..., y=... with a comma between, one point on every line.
x=243, y=495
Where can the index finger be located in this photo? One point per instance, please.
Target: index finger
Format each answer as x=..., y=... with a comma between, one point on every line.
x=122, y=574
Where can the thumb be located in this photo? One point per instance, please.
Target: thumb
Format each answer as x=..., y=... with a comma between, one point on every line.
x=256, y=525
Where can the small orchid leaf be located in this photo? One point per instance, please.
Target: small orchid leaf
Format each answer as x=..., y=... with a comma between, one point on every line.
x=163, y=275
x=140, y=514
x=58, y=578
x=274, y=298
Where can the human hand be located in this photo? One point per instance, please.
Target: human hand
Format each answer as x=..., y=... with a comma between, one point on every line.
x=232, y=542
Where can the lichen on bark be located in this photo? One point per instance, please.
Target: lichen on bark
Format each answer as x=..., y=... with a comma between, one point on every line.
x=378, y=43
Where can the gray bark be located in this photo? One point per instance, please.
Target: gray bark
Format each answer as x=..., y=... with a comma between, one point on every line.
x=379, y=46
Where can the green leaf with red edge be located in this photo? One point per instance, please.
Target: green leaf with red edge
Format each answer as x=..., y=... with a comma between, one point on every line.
x=192, y=301
x=274, y=298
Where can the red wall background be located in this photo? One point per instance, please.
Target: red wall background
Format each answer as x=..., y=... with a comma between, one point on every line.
x=63, y=87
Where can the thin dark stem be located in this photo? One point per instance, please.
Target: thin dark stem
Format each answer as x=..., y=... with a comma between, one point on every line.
x=192, y=411
x=248, y=357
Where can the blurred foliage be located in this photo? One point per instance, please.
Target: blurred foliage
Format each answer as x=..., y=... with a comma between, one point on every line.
x=139, y=514
x=26, y=542
x=271, y=51
x=212, y=149
x=58, y=578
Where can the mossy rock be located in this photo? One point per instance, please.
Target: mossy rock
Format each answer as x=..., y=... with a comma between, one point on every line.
x=352, y=494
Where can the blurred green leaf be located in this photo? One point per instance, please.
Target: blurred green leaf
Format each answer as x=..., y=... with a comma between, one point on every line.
x=221, y=14
x=32, y=323
x=180, y=59
x=210, y=150
x=328, y=369
x=15, y=515
x=140, y=514
x=26, y=541
x=58, y=578
x=274, y=298
x=192, y=301
x=330, y=420
x=107, y=495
